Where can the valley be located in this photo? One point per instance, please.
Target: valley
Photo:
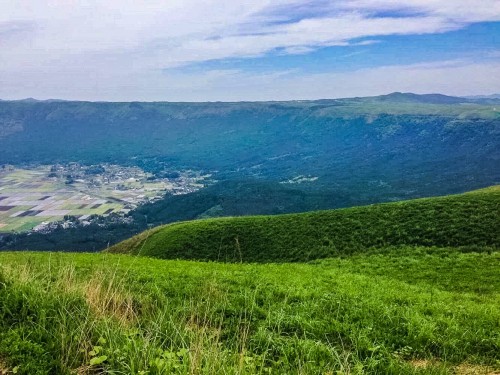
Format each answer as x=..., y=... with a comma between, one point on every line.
x=335, y=237
x=292, y=187
x=251, y=158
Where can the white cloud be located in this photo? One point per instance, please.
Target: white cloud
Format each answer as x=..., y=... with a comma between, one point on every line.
x=366, y=42
x=465, y=11
x=297, y=50
x=446, y=77
x=63, y=45
x=310, y=32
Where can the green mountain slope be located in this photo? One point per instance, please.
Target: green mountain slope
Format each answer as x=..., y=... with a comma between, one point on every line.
x=465, y=220
x=402, y=144
x=268, y=157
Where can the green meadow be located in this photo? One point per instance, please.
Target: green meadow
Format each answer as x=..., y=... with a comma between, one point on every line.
x=464, y=220
x=400, y=288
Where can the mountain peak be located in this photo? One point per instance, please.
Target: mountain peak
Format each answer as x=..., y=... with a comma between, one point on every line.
x=421, y=98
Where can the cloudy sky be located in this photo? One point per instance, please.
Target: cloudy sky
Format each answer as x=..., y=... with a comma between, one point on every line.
x=231, y=50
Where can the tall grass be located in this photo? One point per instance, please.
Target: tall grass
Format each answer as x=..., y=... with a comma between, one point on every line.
x=93, y=313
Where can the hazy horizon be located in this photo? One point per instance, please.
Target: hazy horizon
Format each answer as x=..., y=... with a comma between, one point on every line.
x=478, y=96
x=233, y=51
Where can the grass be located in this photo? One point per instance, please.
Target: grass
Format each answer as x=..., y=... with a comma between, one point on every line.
x=404, y=288
x=468, y=220
x=93, y=313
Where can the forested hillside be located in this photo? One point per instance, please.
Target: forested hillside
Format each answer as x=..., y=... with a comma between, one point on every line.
x=265, y=157
x=400, y=142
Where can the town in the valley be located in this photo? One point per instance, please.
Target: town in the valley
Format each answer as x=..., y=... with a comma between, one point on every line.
x=34, y=197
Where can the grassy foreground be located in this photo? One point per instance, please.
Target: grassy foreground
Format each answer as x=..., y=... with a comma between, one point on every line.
x=464, y=220
x=404, y=310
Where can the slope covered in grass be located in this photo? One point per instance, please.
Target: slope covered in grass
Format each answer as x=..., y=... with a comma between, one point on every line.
x=466, y=220
x=397, y=311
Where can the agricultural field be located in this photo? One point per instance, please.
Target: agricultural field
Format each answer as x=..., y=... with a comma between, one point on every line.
x=30, y=198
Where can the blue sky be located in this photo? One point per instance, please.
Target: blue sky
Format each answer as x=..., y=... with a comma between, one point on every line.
x=194, y=50
x=476, y=42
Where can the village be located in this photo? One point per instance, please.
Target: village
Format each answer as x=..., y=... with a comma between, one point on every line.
x=34, y=197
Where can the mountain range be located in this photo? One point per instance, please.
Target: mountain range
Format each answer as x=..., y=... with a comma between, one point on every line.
x=266, y=157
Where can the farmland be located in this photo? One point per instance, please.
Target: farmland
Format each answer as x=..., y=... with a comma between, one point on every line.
x=30, y=198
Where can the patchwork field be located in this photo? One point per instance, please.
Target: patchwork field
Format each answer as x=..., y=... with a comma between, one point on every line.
x=29, y=198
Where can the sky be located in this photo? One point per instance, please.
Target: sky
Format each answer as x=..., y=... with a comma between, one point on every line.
x=232, y=50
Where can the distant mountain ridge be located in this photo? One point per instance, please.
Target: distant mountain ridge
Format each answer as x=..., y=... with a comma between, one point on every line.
x=33, y=100
x=397, y=96
x=492, y=96
x=425, y=98
x=403, y=142
x=400, y=145
x=267, y=157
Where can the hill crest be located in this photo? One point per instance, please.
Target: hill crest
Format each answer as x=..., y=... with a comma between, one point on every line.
x=464, y=220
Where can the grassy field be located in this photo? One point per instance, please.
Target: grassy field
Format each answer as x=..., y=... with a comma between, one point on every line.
x=465, y=220
x=399, y=288
x=407, y=310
